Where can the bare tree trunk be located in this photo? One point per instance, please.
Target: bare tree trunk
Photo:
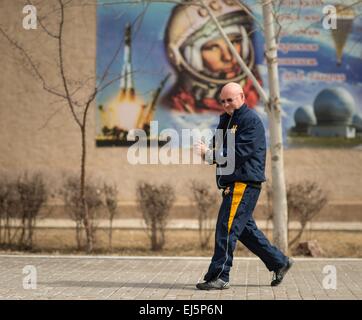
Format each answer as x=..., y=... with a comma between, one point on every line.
x=1, y=230
x=162, y=238
x=7, y=228
x=154, y=235
x=22, y=235
x=201, y=225
x=280, y=209
x=78, y=230
x=110, y=234
x=298, y=236
x=87, y=225
x=29, y=239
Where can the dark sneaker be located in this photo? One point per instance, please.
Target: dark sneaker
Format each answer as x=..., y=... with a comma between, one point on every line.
x=217, y=284
x=279, y=275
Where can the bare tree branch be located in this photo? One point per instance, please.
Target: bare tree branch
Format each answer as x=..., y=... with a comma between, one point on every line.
x=32, y=64
x=40, y=20
x=62, y=72
x=322, y=17
x=109, y=83
x=81, y=86
x=51, y=117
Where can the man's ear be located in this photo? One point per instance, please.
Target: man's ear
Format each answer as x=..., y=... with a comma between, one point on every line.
x=243, y=97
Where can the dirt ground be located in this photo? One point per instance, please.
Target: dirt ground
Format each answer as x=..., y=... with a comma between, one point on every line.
x=181, y=243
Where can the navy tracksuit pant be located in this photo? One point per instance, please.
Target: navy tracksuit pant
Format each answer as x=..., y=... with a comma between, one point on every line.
x=235, y=222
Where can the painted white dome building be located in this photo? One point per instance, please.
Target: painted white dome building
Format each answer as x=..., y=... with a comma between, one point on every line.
x=334, y=109
x=357, y=123
x=304, y=118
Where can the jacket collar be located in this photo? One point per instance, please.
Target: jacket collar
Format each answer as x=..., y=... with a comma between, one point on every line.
x=241, y=110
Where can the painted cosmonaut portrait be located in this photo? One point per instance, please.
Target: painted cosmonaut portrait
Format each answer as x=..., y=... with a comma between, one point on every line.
x=202, y=59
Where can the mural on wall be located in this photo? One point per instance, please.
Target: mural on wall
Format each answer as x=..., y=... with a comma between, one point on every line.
x=168, y=62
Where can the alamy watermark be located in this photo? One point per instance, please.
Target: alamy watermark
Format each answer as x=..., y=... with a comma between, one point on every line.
x=30, y=21
x=330, y=280
x=30, y=279
x=146, y=151
x=330, y=17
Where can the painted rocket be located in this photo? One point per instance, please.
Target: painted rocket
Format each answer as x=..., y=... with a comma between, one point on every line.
x=126, y=83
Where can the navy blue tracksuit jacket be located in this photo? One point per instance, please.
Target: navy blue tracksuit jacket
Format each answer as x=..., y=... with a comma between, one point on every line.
x=241, y=191
x=250, y=146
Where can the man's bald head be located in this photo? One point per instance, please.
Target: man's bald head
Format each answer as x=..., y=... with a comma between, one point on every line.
x=231, y=88
x=232, y=97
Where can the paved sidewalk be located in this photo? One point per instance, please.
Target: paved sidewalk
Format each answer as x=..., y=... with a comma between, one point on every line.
x=166, y=278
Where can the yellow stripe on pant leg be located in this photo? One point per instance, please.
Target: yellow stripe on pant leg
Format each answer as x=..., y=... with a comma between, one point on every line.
x=238, y=193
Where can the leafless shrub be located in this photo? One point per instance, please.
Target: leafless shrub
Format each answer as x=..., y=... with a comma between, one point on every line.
x=9, y=209
x=4, y=195
x=305, y=200
x=20, y=204
x=74, y=206
x=32, y=195
x=110, y=201
x=206, y=204
x=155, y=203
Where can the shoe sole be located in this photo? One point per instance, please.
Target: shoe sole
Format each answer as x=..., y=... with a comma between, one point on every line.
x=290, y=264
x=208, y=289
x=224, y=288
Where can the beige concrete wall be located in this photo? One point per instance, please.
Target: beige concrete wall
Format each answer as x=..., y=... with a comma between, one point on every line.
x=38, y=133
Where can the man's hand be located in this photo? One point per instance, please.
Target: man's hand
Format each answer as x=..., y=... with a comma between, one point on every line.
x=201, y=148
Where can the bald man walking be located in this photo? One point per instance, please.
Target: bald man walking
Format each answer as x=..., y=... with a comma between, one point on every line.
x=241, y=191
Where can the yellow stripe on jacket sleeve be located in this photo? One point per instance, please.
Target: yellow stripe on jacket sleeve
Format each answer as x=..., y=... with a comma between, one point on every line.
x=238, y=193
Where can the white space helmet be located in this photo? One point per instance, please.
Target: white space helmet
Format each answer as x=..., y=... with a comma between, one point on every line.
x=190, y=27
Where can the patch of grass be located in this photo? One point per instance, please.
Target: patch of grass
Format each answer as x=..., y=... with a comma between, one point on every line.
x=179, y=243
x=333, y=142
